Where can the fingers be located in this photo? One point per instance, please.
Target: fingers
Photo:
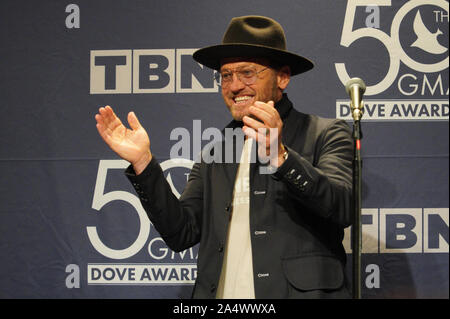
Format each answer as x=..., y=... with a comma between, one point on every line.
x=103, y=131
x=261, y=112
x=101, y=123
x=251, y=133
x=107, y=124
x=133, y=121
x=268, y=107
x=266, y=114
x=265, y=129
x=267, y=146
x=254, y=124
x=110, y=121
x=108, y=118
x=263, y=135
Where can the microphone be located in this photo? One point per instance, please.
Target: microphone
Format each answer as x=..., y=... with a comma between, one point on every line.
x=356, y=87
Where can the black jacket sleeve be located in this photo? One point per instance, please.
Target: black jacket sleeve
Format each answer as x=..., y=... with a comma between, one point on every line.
x=177, y=220
x=324, y=186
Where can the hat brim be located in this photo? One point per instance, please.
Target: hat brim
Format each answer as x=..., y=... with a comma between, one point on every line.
x=211, y=56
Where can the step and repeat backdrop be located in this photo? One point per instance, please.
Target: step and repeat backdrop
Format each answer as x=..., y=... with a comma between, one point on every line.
x=71, y=226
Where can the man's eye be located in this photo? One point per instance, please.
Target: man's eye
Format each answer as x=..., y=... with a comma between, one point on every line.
x=226, y=76
x=247, y=73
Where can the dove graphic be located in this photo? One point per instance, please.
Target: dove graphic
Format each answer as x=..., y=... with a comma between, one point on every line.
x=426, y=40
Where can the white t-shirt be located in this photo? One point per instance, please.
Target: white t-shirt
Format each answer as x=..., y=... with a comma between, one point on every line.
x=236, y=278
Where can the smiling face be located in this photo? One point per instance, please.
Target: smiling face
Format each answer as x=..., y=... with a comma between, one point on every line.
x=268, y=86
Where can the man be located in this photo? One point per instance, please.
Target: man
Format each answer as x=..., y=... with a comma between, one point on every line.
x=261, y=234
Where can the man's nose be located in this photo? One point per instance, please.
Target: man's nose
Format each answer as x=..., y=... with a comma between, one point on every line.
x=236, y=84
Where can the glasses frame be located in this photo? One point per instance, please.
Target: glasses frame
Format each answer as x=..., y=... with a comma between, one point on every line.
x=243, y=79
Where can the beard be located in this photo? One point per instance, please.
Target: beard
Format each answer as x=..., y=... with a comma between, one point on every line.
x=270, y=93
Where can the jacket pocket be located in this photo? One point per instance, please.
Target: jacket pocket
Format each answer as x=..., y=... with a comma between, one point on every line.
x=314, y=272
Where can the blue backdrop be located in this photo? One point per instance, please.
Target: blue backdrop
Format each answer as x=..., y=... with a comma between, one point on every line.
x=70, y=223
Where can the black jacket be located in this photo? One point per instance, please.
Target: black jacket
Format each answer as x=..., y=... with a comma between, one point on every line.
x=297, y=214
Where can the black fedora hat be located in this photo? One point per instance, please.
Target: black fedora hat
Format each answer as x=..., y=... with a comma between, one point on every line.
x=253, y=36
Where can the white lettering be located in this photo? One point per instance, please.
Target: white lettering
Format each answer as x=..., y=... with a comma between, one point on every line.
x=399, y=230
x=150, y=71
x=397, y=110
x=141, y=274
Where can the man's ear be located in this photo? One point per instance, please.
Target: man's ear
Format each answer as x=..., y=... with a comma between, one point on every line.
x=283, y=77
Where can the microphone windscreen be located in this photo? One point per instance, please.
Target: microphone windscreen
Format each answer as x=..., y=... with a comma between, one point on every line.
x=355, y=81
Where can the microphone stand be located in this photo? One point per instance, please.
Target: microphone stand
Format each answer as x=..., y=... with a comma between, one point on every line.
x=357, y=185
x=356, y=87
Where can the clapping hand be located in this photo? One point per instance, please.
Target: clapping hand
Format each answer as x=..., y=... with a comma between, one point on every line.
x=133, y=145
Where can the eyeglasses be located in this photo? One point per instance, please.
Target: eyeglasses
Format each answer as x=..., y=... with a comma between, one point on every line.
x=246, y=75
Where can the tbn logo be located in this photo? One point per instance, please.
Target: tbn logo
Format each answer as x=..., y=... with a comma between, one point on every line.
x=149, y=71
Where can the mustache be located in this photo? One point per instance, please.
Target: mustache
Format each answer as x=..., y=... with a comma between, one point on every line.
x=240, y=93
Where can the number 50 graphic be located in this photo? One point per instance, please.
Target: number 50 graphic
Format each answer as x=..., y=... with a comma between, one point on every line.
x=391, y=42
x=101, y=198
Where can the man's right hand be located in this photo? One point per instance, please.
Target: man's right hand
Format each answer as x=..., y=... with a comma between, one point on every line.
x=131, y=145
